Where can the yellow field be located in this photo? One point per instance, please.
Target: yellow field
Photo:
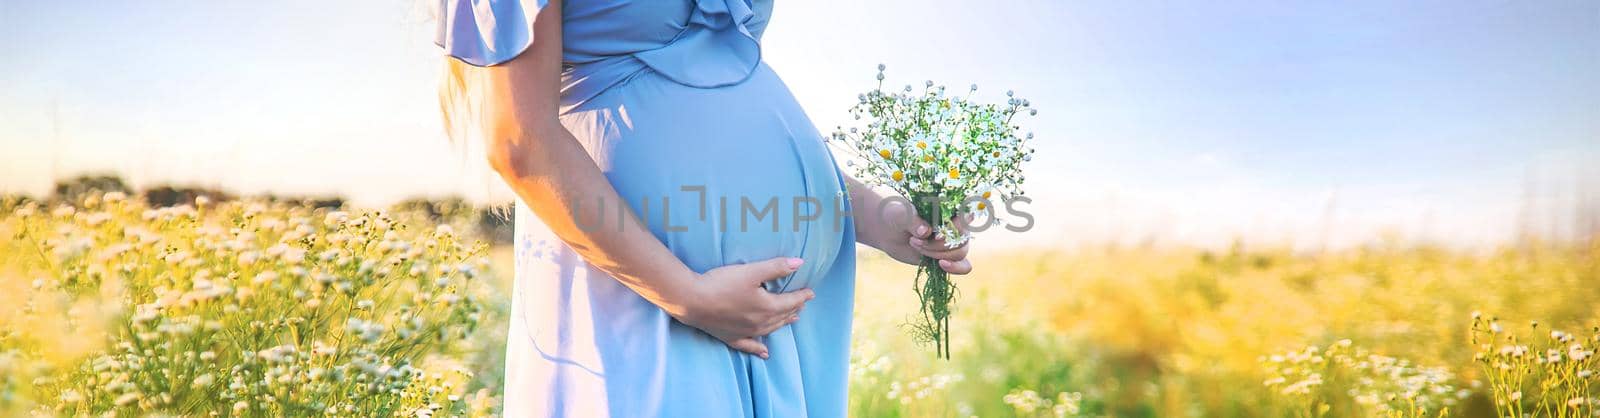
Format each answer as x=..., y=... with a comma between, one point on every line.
x=1192, y=333
x=240, y=309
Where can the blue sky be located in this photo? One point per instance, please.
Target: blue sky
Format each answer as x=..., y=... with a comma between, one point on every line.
x=1189, y=122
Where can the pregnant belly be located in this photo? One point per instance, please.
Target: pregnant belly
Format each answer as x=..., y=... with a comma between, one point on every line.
x=721, y=176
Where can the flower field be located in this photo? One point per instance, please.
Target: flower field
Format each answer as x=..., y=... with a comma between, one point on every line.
x=110, y=307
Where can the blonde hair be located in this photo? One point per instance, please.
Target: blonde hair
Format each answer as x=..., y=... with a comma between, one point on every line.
x=459, y=104
x=461, y=110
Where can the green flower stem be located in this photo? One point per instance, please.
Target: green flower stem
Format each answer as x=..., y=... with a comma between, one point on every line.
x=934, y=288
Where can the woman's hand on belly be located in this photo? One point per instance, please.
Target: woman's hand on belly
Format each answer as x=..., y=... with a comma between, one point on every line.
x=729, y=303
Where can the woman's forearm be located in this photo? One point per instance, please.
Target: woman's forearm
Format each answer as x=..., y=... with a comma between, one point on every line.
x=558, y=180
x=875, y=217
x=547, y=168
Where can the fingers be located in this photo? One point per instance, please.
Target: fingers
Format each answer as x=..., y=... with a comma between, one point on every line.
x=937, y=249
x=919, y=228
x=765, y=271
x=753, y=344
x=963, y=222
x=952, y=260
x=749, y=345
x=788, y=306
x=771, y=322
x=792, y=301
x=961, y=266
x=780, y=324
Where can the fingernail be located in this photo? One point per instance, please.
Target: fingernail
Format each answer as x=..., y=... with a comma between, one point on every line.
x=763, y=355
x=795, y=263
x=922, y=230
x=918, y=242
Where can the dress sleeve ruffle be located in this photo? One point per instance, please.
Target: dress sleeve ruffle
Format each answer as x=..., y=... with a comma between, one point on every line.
x=486, y=32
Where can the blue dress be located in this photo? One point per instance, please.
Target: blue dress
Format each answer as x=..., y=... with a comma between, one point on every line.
x=708, y=146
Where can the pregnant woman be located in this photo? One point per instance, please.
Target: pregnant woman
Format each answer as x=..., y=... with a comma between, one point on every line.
x=684, y=241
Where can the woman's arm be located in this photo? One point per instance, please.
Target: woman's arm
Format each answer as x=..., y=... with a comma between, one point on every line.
x=547, y=168
x=892, y=226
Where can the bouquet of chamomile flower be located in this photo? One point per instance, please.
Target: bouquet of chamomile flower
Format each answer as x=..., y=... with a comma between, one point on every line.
x=952, y=158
